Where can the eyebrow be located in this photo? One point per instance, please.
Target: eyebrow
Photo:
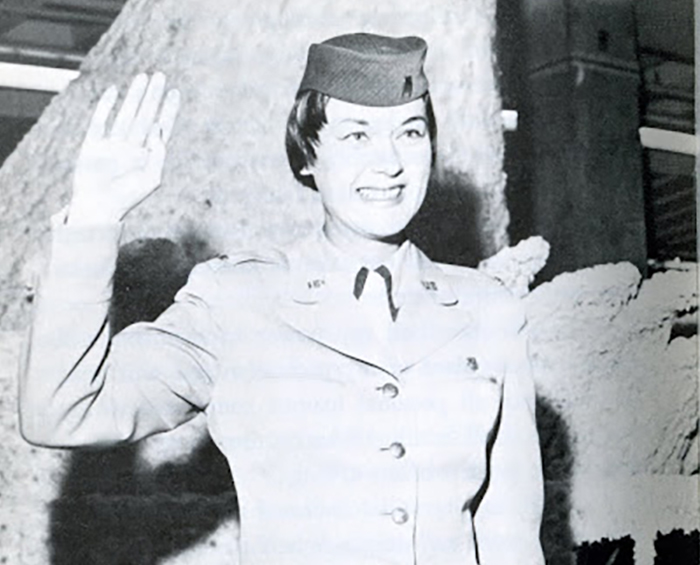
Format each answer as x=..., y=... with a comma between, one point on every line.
x=366, y=123
x=415, y=118
x=354, y=121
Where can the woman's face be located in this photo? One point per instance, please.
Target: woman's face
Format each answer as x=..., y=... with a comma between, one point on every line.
x=372, y=167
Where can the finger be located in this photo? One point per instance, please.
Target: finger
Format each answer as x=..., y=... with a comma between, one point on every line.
x=156, y=146
x=156, y=154
x=168, y=113
x=98, y=121
x=155, y=137
x=132, y=100
x=147, y=111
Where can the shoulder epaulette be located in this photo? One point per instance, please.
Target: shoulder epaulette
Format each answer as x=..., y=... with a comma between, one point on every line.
x=224, y=260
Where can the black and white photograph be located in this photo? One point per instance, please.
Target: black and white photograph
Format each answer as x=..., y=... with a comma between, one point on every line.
x=295, y=282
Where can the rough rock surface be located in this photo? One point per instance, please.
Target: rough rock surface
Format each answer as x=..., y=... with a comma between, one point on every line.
x=517, y=266
x=641, y=506
x=611, y=362
x=602, y=351
x=30, y=478
x=226, y=178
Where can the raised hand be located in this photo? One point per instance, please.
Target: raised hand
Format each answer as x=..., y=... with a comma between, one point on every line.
x=118, y=169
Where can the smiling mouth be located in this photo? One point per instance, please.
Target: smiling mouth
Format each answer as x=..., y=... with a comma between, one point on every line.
x=378, y=194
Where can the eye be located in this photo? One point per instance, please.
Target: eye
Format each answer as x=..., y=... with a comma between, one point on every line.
x=414, y=133
x=356, y=136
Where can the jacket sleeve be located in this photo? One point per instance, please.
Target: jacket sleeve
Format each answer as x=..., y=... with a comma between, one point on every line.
x=78, y=386
x=507, y=520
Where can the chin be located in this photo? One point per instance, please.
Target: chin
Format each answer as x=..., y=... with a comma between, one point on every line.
x=387, y=231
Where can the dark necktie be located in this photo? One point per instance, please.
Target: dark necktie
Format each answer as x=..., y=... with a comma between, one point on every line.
x=361, y=279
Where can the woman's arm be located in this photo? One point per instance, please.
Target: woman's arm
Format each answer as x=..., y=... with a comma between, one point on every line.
x=77, y=386
x=507, y=520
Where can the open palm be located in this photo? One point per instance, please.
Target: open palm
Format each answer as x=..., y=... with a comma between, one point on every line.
x=117, y=169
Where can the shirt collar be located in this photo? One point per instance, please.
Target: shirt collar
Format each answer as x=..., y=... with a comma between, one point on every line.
x=343, y=268
x=319, y=268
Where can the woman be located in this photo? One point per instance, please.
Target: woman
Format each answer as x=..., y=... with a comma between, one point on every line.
x=374, y=407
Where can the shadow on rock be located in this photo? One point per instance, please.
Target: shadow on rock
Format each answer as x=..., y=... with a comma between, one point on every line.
x=111, y=515
x=557, y=465
x=447, y=228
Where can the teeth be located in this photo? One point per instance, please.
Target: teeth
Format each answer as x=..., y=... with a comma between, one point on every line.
x=380, y=194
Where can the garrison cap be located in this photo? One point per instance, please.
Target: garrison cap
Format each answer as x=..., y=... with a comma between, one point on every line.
x=367, y=69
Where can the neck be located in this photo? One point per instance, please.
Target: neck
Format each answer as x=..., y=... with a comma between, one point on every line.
x=369, y=251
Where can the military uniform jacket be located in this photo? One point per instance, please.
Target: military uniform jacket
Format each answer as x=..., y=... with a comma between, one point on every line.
x=345, y=448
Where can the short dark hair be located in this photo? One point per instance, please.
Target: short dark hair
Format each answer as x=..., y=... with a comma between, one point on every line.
x=308, y=116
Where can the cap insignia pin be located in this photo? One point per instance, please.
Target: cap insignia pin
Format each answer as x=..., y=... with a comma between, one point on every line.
x=407, y=87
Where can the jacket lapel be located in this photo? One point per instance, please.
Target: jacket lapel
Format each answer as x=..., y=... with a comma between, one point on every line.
x=317, y=308
x=431, y=314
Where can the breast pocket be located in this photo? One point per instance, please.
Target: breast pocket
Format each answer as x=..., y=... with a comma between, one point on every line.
x=455, y=401
x=463, y=392
x=479, y=393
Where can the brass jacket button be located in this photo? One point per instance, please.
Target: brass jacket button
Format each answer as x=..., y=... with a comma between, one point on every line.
x=399, y=516
x=396, y=449
x=390, y=390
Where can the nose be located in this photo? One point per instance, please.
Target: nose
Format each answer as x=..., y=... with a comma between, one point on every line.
x=388, y=159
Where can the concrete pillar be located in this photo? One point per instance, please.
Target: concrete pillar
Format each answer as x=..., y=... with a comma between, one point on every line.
x=581, y=120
